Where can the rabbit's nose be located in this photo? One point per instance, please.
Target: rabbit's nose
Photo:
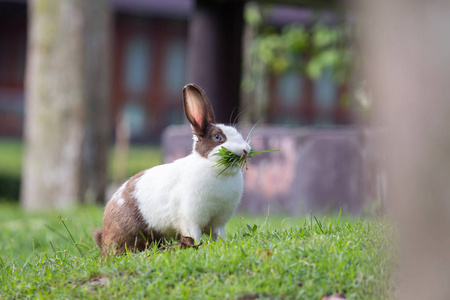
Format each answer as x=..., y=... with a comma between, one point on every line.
x=245, y=152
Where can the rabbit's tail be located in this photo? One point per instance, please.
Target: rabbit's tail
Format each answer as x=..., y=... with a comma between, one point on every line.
x=98, y=238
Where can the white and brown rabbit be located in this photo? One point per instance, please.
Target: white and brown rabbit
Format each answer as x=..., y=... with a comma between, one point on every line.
x=184, y=198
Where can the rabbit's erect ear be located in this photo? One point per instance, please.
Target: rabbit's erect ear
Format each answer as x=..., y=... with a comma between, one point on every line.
x=198, y=109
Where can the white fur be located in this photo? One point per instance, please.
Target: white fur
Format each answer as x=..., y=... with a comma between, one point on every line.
x=192, y=195
x=234, y=143
x=188, y=197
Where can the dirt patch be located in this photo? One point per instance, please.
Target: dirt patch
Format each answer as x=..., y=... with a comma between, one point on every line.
x=97, y=281
x=253, y=296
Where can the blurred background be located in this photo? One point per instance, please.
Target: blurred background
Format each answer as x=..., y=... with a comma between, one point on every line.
x=90, y=94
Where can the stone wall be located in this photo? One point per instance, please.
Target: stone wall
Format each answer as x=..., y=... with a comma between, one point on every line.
x=321, y=170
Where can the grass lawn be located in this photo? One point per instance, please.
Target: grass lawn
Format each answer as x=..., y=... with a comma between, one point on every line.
x=140, y=157
x=300, y=258
x=11, y=156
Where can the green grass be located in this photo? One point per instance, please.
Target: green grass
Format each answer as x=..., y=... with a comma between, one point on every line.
x=140, y=157
x=10, y=169
x=11, y=157
x=296, y=258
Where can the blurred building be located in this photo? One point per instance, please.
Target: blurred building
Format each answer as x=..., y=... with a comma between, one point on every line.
x=149, y=70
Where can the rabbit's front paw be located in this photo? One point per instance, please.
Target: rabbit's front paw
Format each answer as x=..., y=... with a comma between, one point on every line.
x=219, y=232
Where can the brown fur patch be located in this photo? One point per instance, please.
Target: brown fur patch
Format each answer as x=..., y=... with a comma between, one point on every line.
x=123, y=225
x=206, y=143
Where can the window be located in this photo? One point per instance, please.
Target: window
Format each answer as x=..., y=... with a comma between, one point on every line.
x=137, y=64
x=135, y=118
x=290, y=88
x=325, y=90
x=174, y=67
x=325, y=97
x=174, y=116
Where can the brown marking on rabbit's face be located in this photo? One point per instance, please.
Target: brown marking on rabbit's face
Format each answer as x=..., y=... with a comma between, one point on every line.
x=213, y=137
x=124, y=224
x=200, y=114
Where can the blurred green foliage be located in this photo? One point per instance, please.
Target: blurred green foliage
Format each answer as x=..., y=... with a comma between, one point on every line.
x=311, y=49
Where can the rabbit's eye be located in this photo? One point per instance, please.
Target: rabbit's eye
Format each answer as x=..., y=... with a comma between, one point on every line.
x=217, y=137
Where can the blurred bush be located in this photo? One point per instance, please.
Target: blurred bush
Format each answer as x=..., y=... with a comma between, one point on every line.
x=325, y=43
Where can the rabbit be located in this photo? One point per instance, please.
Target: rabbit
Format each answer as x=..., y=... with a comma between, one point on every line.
x=187, y=197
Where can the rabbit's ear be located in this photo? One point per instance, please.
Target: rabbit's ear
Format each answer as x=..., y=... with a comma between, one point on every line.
x=198, y=109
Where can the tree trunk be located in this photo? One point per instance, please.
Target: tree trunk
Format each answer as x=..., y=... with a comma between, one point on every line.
x=97, y=84
x=407, y=54
x=57, y=98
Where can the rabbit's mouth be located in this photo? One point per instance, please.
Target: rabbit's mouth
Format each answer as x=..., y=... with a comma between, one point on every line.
x=229, y=159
